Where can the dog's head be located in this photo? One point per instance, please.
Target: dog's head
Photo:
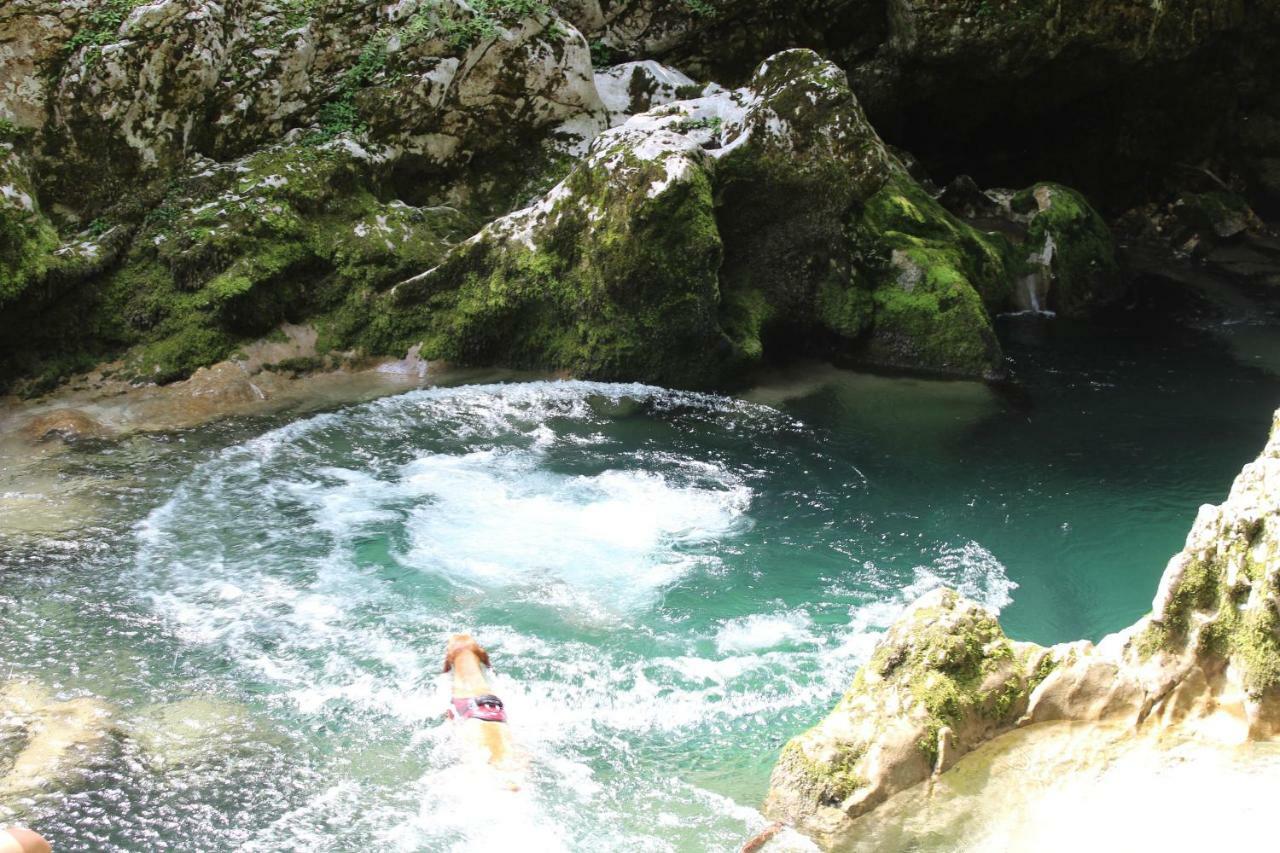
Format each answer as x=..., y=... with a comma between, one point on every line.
x=460, y=643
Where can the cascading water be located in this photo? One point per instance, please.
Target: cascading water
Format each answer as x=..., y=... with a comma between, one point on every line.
x=1033, y=288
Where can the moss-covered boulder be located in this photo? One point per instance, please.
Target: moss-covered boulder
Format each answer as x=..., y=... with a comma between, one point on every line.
x=1069, y=256
x=943, y=680
x=27, y=239
x=229, y=253
x=1217, y=612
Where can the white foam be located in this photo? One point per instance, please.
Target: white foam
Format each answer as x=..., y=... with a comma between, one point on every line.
x=764, y=631
x=492, y=518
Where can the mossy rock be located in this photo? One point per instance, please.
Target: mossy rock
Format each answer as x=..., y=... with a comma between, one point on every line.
x=27, y=239
x=934, y=278
x=1081, y=251
x=227, y=255
x=944, y=676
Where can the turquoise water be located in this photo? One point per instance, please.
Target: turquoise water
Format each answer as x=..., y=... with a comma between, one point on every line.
x=670, y=584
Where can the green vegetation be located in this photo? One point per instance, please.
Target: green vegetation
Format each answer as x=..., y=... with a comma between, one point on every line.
x=462, y=30
x=702, y=8
x=228, y=257
x=12, y=133
x=101, y=27
x=298, y=13
x=457, y=27
x=713, y=124
x=602, y=55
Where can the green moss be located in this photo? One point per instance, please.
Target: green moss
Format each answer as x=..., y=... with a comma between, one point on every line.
x=1220, y=214
x=27, y=238
x=298, y=365
x=180, y=354
x=828, y=783
x=942, y=660
x=101, y=24
x=1230, y=627
x=624, y=286
x=932, y=274
x=1257, y=645
x=744, y=315
x=293, y=232
x=26, y=243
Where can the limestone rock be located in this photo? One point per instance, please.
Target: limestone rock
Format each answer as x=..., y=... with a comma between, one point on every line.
x=689, y=232
x=942, y=681
x=637, y=87
x=131, y=90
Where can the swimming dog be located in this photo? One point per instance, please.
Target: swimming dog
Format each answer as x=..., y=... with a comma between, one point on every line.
x=481, y=714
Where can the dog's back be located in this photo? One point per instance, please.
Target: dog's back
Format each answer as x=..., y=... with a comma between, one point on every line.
x=481, y=716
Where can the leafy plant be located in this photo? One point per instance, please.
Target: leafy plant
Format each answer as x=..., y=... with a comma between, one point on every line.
x=601, y=54
x=701, y=8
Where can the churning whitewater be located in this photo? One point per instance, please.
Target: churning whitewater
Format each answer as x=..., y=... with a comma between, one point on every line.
x=652, y=642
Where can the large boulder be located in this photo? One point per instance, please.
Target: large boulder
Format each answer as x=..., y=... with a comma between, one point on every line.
x=180, y=178
x=695, y=232
x=1069, y=264
x=229, y=253
x=127, y=91
x=943, y=680
x=1112, y=97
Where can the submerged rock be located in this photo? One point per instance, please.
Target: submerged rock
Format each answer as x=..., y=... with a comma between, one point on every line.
x=67, y=425
x=944, y=680
x=48, y=744
x=190, y=731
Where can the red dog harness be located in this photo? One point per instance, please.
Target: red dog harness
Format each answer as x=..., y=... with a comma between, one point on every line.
x=487, y=708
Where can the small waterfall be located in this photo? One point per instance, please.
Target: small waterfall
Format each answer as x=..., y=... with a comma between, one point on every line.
x=1032, y=292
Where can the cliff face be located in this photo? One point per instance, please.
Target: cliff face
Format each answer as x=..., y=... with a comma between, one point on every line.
x=1205, y=664
x=178, y=178
x=1115, y=95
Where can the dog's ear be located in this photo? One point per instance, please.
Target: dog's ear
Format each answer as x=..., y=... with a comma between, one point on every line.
x=482, y=655
x=448, y=661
